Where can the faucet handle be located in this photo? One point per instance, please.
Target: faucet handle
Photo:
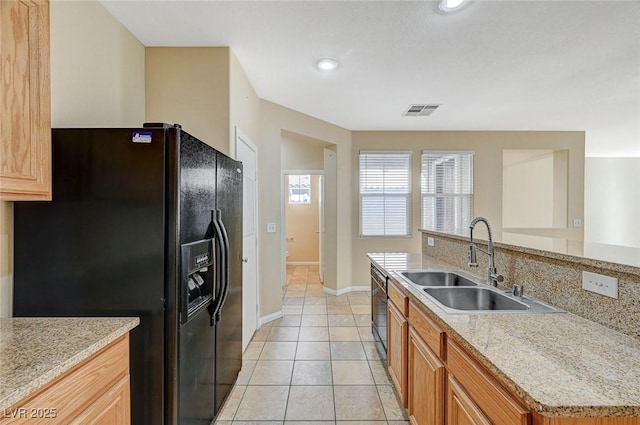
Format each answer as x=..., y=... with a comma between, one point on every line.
x=517, y=290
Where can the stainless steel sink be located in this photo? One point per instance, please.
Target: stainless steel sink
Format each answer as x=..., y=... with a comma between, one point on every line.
x=455, y=292
x=435, y=278
x=474, y=299
x=484, y=299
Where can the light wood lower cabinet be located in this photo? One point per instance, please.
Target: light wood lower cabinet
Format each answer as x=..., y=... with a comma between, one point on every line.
x=441, y=383
x=94, y=392
x=426, y=383
x=461, y=410
x=397, y=328
x=491, y=398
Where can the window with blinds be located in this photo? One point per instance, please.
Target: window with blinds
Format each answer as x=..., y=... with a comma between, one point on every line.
x=447, y=190
x=385, y=193
x=300, y=189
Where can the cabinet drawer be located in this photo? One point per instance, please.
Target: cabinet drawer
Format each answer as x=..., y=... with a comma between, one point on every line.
x=398, y=298
x=494, y=401
x=427, y=329
x=74, y=391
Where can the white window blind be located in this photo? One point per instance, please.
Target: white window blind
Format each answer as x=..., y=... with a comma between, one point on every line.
x=447, y=190
x=385, y=193
x=300, y=189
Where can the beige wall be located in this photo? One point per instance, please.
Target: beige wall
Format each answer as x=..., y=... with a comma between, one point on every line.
x=302, y=226
x=190, y=86
x=97, y=68
x=274, y=119
x=534, y=188
x=488, y=147
x=6, y=258
x=97, y=80
x=300, y=153
x=612, y=204
x=244, y=105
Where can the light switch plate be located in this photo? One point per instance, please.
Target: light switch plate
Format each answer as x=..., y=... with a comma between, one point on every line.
x=271, y=227
x=600, y=284
x=430, y=241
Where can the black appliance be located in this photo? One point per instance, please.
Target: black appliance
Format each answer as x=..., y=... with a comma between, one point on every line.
x=144, y=222
x=379, y=300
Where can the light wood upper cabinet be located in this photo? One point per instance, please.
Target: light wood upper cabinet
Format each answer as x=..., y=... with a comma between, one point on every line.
x=397, y=328
x=426, y=383
x=25, y=101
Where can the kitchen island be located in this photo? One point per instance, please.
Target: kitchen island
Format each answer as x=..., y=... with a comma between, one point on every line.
x=557, y=365
x=56, y=369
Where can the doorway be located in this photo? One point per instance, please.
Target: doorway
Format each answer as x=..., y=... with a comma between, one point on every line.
x=303, y=218
x=247, y=152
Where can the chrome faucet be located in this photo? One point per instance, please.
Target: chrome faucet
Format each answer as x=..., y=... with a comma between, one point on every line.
x=492, y=274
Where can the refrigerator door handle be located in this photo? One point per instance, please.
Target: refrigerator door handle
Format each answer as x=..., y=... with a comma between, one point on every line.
x=225, y=274
x=220, y=266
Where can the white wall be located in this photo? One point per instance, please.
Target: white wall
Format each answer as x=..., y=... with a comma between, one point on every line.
x=612, y=201
x=97, y=80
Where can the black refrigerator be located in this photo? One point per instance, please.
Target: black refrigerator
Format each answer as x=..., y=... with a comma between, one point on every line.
x=144, y=222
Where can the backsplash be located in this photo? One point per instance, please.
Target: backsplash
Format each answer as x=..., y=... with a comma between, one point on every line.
x=553, y=278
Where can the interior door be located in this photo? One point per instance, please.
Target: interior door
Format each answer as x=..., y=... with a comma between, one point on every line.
x=247, y=153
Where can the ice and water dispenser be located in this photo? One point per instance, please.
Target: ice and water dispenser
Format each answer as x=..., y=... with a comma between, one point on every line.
x=197, y=278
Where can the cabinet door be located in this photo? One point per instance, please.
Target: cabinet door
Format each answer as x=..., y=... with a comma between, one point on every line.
x=112, y=408
x=397, y=350
x=426, y=383
x=461, y=410
x=25, y=110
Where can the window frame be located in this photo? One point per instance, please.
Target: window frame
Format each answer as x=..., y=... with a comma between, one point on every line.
x=408, y=195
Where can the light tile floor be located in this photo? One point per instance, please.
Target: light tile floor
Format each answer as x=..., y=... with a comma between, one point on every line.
x=317, y=363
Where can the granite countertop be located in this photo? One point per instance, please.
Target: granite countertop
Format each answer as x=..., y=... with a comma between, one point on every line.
x=34, y=351
x=561, y=365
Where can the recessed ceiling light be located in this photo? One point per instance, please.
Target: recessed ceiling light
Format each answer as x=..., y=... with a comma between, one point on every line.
x=327, y=64
x=451, y=5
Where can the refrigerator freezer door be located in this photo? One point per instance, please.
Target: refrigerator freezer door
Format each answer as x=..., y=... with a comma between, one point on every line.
x=229, y=328
x=197, y=370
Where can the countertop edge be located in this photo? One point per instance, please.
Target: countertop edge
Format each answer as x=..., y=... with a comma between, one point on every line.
x=57, y=371
x=504, y=379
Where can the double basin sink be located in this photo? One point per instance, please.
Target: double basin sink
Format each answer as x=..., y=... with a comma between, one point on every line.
x=459, y=294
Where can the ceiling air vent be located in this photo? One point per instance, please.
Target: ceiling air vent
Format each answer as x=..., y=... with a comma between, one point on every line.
x=420, y=110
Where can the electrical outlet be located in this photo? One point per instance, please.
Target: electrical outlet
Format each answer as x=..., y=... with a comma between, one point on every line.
x=600, y=284
x=577, y=222
x=430, y=241
x=271, y=227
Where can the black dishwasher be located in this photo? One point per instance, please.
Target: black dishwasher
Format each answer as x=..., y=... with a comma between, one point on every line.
x=379, y=309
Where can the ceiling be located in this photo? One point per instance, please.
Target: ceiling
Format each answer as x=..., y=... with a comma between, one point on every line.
x=494, y=65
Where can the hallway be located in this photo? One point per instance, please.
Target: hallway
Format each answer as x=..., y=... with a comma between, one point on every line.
x=317, y=363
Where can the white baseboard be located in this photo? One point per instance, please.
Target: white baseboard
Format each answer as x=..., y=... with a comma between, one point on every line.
x=346, y=290
x=271, y=317
x=302, y=263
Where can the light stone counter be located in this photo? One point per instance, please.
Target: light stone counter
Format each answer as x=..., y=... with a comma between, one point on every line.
x=34, y=351
x=561, y=365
